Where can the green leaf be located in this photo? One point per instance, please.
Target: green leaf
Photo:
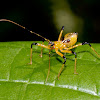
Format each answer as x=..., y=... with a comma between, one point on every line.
x=21, y=81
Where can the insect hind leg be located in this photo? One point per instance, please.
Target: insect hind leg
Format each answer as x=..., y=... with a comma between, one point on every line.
x=38, y=44
x=31, y=52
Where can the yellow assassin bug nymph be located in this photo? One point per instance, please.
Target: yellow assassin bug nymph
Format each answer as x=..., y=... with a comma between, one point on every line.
x=64, y=46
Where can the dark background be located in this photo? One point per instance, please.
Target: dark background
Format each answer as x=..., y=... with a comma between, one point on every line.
x=37, y=16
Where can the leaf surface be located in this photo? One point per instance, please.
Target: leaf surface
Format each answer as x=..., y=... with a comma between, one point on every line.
x=21, y=81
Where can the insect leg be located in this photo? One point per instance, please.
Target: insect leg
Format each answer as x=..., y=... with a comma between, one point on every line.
x=49, y=67
x=68, y=51
x=91, y=48
x=38, y=44
x=31, y=52
x=63, y=62
x=62, y=67
x=80, y=44
x=75, y=62
x=61, y=33
x=42, y=49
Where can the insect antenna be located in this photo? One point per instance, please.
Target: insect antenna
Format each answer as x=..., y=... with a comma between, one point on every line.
x=25, y=28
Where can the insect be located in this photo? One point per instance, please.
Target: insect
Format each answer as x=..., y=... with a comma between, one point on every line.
x=60, y=46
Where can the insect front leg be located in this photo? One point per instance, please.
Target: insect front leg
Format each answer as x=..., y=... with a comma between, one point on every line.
x=68, y=51
x=91, y=48
x=63, y=62
x=80, y=44
x=83, y=43
x=60, y=35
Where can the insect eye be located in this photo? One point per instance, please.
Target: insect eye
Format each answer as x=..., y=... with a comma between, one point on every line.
x=68, y=40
